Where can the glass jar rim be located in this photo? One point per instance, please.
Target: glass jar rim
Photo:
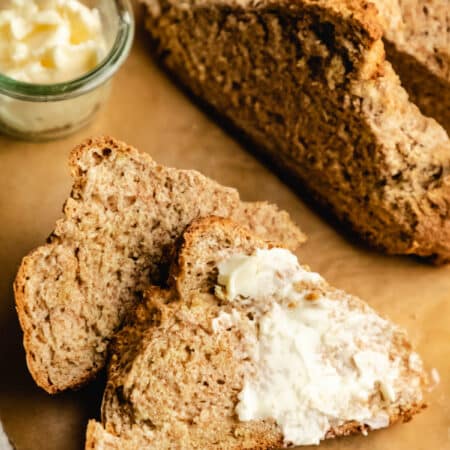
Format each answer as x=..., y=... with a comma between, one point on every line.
x=87, y=82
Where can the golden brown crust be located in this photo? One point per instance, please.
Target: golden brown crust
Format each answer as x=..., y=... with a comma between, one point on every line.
x=362, y=11
x=25, y=324
x=350, y=428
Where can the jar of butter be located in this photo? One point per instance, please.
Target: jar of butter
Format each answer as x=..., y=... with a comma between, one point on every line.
x=57, y=58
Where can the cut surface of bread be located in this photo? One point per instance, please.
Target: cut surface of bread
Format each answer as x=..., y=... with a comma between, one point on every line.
x=120, y=222
x=249, y=350
x=307, y=81
x=417, y=36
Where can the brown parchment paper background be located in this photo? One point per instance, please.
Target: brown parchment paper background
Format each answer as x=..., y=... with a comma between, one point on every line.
x=147, y=110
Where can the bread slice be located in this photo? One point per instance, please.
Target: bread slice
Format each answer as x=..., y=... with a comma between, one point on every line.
x=180, y=369
x=120, y=222
x=417, y=37
x=307, y=81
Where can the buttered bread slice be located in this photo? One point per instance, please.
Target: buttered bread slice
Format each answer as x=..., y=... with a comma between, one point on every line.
x=120, y=222
x=249, y=349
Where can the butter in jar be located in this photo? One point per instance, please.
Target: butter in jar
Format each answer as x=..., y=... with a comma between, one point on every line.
x=56, y=58
x=49, y=41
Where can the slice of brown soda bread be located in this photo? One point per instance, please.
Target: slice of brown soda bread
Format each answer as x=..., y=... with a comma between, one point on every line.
x=182, y=368
x=123, y=215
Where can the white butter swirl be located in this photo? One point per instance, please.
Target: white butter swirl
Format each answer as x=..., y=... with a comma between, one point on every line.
x=49, y=41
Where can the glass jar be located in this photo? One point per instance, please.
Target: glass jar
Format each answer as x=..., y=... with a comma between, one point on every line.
x=49, y=111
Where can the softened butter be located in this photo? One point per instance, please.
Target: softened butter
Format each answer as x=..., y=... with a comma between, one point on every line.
x=318, y=360
x=49, y=41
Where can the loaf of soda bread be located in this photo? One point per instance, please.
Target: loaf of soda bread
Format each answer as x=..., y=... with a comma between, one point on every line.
x=308, y=82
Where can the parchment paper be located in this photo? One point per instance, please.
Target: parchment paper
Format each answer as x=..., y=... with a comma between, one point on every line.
x=150, y=112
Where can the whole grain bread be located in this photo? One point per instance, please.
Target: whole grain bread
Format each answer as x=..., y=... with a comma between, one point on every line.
x=307, y=81
x=173, y=380
x=123, y=215
x=417, y=37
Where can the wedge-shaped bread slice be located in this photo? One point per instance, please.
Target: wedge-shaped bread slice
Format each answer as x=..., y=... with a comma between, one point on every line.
x=275, y=357
x=417, y=36
x=307, y=81
x=120, y=222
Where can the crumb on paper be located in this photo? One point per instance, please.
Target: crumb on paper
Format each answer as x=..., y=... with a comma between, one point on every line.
x=435, y=377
